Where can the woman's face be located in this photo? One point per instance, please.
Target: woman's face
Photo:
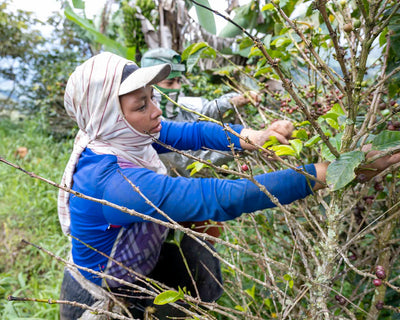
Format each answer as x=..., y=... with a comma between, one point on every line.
x=173, y=83
x=141, y=111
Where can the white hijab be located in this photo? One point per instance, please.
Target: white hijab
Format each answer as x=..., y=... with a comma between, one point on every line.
x=92, y=100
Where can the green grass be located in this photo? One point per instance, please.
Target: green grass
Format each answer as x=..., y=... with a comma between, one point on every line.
x=28, y=210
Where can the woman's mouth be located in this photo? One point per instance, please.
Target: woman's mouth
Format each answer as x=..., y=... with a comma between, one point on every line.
x=157, y=128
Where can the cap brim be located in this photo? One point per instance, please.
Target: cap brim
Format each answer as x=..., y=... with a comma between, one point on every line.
x=143, y=77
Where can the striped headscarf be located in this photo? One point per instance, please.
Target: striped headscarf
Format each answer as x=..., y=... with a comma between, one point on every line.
x=92, y=100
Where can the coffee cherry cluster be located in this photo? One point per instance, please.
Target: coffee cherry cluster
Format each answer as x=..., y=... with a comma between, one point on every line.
x=368, y=200
x=340, y=299
x=385, y=105
x=320, y=109
x=393, y=125
x=287, y=107
x=380, y=272
x=379, y=305
x=378, y=186
x=358, y=211
x=322, y=106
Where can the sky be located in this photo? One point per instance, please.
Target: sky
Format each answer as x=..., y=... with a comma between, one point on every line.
x=44, y=8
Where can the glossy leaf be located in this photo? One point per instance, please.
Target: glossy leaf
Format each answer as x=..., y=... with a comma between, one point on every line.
x=268, y=6
x=300, y=134
x=206, y=17
x=251, y=292
x=168, y=296
x=283, y=150
x=326, y=154
x=386, y=139
x=194, y=52
x=244, y=17
x=78, y=4
x=196, y=167
x=109, y=44
x=312, y=141
x=341, y=172
x=297, y=146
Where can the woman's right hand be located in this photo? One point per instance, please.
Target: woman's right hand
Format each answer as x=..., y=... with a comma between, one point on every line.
x=282, y=130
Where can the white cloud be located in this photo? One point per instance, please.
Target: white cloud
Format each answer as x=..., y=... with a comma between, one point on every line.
x=42, y=8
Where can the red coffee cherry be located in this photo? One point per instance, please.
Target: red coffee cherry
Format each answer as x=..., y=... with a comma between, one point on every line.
x=379, y=267
x=377, y=282
x=340, y=299
x=245, y=167
x=380, y=274
x=379, y=305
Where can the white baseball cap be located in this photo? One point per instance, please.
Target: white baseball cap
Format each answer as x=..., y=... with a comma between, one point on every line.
x=134, y=77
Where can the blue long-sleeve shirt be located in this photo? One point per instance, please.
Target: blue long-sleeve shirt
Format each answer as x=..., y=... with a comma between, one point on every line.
x=182, y=199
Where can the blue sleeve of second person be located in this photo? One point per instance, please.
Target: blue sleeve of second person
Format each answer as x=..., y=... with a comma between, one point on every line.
x=186, y=199
x=195, y=135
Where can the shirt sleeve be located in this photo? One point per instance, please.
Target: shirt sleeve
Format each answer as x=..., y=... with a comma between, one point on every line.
x=195, y=135
x=215, y=108
x=188, y=199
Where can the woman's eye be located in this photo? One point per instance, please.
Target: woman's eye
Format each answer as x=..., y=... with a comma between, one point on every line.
x=142, y=108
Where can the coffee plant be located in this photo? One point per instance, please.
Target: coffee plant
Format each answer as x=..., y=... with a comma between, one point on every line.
x=332, y=68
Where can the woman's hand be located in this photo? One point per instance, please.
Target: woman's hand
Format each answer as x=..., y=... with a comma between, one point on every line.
x=368, y=171
x=243, y=99
x=365, y=172
x=281, y=129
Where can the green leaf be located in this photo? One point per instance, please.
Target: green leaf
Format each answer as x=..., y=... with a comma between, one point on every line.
x=168, y=296
x=268, y=302
x=251, y=292
x=267, y=41
x=326, y=153
x=263, y=71
x=303, y=123
x=194, y=52
x=206, y=17
x=108, y=43
x=244, y=17
x=272, y=140
x=300, y=134
x=341, y=172
x=255, y=52
x=193, y=48
x=297, y=146
x=240, y=308
x=333, y=123
x=382, y=37
x=386, y=139
x=178, y=236
x=283, y=150
x=78, y=4
x=331, y=117
x=281, y=41
x=287, y=277
x=312, y=141
x=268, y=6
x=196, y=167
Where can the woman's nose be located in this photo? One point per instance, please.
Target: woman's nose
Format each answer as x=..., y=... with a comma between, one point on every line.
x=156, y=111
x=176, y=84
